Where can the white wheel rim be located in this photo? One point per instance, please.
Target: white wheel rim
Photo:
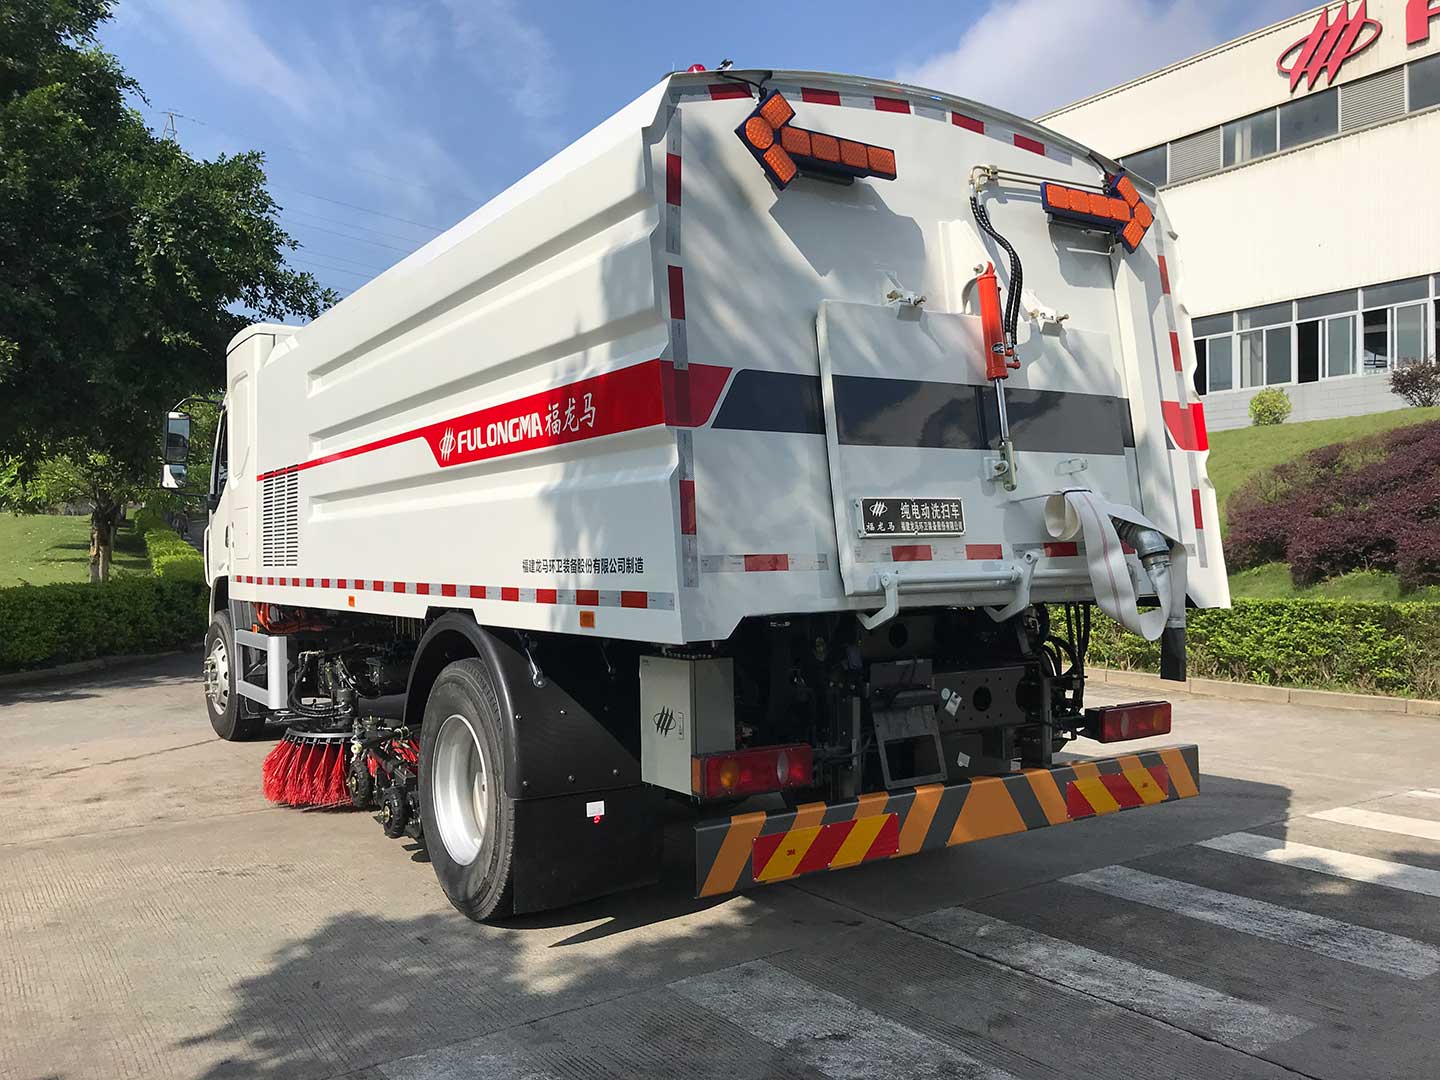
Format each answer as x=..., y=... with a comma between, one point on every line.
x=217, y=676
x=460, y=787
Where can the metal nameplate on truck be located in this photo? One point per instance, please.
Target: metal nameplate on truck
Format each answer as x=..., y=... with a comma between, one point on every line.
x=912, y=517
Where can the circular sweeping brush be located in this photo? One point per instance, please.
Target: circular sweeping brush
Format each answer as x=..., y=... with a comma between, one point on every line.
x=308, y=768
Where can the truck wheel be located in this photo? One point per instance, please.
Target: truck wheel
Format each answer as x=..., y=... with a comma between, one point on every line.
x=229, y=716
x=469, y=823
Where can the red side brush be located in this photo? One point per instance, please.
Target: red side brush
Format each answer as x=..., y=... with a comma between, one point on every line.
x=307, y=768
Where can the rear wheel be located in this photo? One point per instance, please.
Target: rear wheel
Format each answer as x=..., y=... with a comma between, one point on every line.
x=469, y=822
x=231, y=718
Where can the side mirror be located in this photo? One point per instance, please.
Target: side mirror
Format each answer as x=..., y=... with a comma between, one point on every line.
x=177, y=438
x=172, y=477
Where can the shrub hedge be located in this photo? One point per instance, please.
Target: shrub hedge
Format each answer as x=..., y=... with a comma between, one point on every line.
x=1362, y=646
x=170, y=557
x=42, y=625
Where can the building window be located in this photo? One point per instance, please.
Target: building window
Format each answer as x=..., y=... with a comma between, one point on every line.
x=1307, y=352
x=1409, y=334
x=1249, y=138
x=1219, y=364
x=1397, y=292
x=1335, y=303
x=1309, y=118
x=1340, y=346
x=1376, y=341
x=1425, y=83
x=1149, y=164
x=1201, y=359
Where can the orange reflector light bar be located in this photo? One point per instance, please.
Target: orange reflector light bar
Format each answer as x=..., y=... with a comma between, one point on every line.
x=751, y=772
x=785, y=151
x=1119, y=211
x=1117, y=723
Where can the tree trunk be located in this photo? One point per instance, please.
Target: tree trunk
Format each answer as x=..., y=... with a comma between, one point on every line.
x=102, y=538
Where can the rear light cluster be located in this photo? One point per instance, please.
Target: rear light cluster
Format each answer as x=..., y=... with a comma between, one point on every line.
x=751, y=772
x=785, y=151
x=1120, y=209
x=1117, y=723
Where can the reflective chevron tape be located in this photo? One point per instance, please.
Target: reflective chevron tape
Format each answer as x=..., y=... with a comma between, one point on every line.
x=758, y=848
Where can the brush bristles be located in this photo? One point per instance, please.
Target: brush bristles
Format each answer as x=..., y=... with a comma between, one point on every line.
x=300, y=772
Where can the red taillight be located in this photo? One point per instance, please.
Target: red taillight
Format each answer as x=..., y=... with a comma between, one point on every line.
x=751, y=772
x=1116, y=723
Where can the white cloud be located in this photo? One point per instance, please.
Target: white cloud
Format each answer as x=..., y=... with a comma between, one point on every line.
x=513, y=54
x=222, y=33
x=1029, y=56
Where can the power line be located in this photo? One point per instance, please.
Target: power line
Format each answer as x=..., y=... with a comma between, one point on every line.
x=312, y=252
x=454, y=193
x=352, y=225
x=362, y=209
x=357, y=239
x=332, y=269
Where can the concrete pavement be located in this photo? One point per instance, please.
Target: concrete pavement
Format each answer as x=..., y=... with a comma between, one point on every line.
x=159, y=919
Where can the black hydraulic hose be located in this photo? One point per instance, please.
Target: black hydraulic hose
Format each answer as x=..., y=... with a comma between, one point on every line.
x=1011, y=320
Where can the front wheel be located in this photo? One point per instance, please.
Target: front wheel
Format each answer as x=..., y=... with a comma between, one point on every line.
x=469, y=822
x=229, y=716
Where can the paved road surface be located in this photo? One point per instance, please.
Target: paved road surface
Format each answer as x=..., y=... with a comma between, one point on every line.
x=158, y=919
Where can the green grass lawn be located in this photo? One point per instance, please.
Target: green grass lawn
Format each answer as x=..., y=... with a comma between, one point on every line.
x=48, y=548
x=1234, y=455
x=1272, y=582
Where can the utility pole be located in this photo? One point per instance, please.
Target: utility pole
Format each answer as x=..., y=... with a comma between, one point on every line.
x=169, y=133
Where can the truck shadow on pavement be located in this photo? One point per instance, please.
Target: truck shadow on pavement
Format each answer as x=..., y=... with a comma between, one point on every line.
x=585, y=985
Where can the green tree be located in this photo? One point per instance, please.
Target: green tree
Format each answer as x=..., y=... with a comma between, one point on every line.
x=126, y=265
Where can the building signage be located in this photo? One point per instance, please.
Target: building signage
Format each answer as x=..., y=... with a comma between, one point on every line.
x=1418, y=14
x=1330, y=43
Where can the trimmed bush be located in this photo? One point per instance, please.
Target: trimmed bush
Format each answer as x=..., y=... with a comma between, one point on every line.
x=1418, y=383
x=1369, y=504
x=42, y=625
x=1269, y=406
x=1362, y=646
x=170, y=557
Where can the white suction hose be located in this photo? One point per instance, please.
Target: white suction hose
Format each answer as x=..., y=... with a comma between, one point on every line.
x=1082, y=513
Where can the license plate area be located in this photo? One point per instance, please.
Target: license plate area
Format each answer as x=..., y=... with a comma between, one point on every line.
x=888, y=516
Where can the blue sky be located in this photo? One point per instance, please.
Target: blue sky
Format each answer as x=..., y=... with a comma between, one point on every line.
x=384, y=121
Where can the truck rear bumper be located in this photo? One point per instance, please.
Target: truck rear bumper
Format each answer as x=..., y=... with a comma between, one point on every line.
x=760, y=848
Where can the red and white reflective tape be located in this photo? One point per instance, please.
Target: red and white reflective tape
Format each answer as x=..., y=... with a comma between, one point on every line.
x=1184, y=418
x=762, y=562
x=619, y=598
x=892, y=101
x=942, y=550
x=680, y=351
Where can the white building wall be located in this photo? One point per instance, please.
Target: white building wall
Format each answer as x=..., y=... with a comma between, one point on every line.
x=1358, y=209
x=1324, y=400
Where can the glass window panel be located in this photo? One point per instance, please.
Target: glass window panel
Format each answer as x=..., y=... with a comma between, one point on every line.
x=1201, y=359
x=1330, y=304
x=1252, y=358
x=1340, y=346
x=1425, y=83
x=1277, y=356
x=1396, y=292
x=1268, y=315
x=1307, y=352
x=1309, y=118
x=1213, y=324
x=1249, y=138
x=1376, y=341
x=1219, y=373
x=1409, y=334
x=1150, y=164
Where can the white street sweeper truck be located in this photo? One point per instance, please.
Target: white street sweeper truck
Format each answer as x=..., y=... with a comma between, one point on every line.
x=767, y=450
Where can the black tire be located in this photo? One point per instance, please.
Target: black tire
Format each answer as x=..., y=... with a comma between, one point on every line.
x=359, y=782
x=230, y=716
x=394, y=812
x=482, y=887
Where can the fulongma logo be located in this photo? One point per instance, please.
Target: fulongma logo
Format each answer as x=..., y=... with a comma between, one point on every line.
x=877, y=509
x=1328, y=45
x=447, y=444
x=664, y=721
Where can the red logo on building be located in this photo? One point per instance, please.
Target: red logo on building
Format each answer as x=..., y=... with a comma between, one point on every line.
x=1328, y=46
x=1418, y=14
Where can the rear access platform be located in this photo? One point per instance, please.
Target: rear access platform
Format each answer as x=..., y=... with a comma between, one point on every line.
x=760, y=848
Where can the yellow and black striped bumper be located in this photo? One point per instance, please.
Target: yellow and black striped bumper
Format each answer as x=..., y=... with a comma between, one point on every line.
x=759, y=848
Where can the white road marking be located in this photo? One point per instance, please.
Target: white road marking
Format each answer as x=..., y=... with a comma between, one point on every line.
x=1240, y=1024
x=824, y=1031
x=1421, y=828
x=1424, y=793
x=1316, y=933
x=1341, y=864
